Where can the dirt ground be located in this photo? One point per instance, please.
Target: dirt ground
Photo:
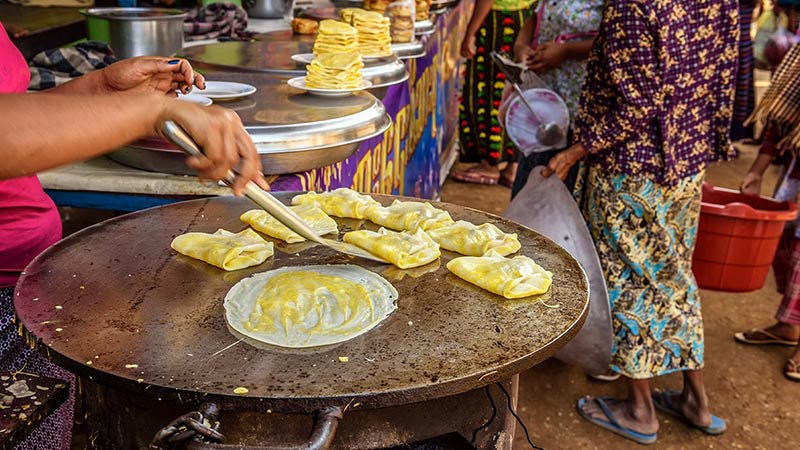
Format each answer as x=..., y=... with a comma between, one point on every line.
x=745, y=384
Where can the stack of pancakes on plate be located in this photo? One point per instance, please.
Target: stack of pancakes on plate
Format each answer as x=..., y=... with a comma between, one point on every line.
x=335, y=71
x=376, y=5
x=423, y=8
x=374, y=37
x=335, y=37
x=402, y=23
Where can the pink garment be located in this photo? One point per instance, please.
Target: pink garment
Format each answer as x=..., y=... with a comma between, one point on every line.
x=29, y=220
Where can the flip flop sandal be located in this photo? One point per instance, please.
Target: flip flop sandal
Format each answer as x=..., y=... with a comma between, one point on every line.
x=612, y=425
x=663, y=403
x=771, y=338
x=607, y=377
x=474, y=177
x=792, y=370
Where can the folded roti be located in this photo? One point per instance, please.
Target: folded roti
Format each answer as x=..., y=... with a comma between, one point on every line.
x=315, y=218
x=342, y=202
x=475, y=240
x=309, y=306
x=409, y=216
x=512, y=278
x=226, y=250
x=403, y=249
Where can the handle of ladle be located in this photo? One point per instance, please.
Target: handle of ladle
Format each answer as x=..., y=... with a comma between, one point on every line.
x=251, y=190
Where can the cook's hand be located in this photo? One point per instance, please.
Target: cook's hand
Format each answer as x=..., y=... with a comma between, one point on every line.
x=150, y=74
x=468, y=48
x=547, y=56
x=563, y=161
x=220, y=134
x=751, y=184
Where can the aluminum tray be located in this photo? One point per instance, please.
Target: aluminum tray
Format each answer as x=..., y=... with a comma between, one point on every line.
x=403, y=51
x=276, y=57
x=424, y=27
x=293, y=131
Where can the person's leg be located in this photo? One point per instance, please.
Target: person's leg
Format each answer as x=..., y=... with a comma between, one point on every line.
x=786, y=266
x=635, y=413
x=692, y=401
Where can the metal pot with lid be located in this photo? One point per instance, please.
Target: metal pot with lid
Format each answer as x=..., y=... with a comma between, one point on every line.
x=137, y=31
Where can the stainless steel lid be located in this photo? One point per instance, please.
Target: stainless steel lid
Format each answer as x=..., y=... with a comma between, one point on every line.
x=135, y=13
x=403, y=51
x=276, y=57
x=424, y=27
x=293, y=131
x=410, y=50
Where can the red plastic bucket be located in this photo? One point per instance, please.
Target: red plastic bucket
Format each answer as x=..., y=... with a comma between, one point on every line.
x=736, y=239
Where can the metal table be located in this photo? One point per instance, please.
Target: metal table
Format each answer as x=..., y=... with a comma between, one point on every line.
x=117, y=306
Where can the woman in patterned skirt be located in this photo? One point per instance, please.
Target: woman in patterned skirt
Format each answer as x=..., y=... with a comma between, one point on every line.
x=655, y=109
x=493, y=27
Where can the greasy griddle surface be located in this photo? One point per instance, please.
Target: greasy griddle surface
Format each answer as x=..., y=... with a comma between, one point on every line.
x=117, y=303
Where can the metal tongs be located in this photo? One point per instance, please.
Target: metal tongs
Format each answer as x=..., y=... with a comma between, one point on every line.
x=549, y=133
x=266, y=201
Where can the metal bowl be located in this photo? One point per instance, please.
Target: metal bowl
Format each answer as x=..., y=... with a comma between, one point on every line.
x=137, y=31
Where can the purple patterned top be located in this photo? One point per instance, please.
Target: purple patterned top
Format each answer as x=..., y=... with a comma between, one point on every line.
x=658, y=97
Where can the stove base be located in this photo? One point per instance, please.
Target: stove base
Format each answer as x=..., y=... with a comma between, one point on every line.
x=120, y=421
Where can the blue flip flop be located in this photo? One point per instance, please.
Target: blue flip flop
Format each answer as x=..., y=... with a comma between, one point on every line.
x=612, y=425
x=663, y=402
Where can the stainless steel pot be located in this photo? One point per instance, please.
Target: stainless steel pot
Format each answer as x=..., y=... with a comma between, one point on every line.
x=267, y=9
x=137, y=31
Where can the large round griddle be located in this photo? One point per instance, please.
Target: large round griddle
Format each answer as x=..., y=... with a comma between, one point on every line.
x=114, y=303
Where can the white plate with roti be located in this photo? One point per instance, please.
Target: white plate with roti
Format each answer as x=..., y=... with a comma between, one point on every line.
x=300, y=83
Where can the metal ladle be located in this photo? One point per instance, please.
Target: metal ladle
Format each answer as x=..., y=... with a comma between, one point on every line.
x=266, y=201
x=548, y=133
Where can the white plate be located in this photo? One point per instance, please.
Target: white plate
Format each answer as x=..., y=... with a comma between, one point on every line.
x=195, y=98
x=226, y=90
x=300, y=83
x=303, y=58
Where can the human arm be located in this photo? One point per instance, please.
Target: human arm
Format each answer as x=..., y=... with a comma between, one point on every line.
x=46, y=130
x=550, y=55
x=751, y=183
x=522, y=45
x=145, y=74
x=479, y=14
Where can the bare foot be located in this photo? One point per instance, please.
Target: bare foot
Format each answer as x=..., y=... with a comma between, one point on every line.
x=481, y=173
x=639, y=419
x=693, y=408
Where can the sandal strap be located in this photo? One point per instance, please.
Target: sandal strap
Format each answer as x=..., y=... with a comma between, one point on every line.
x=607, y=411
x=765, y=333
x=792, y=366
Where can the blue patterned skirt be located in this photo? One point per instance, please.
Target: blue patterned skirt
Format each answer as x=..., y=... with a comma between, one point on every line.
x=645, y=234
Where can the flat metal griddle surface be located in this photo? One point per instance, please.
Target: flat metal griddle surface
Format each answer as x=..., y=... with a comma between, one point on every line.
x=115, y=303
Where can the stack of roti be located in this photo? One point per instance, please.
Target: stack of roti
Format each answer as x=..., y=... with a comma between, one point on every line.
x=335, y=37
x=337, y=60
x=374, y=37
x=402, y=23
x=376, y=5
x=423, y=8
x=335, y=71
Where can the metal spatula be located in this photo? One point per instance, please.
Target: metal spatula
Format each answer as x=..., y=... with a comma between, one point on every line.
x=266, y=201
x=549, y=133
